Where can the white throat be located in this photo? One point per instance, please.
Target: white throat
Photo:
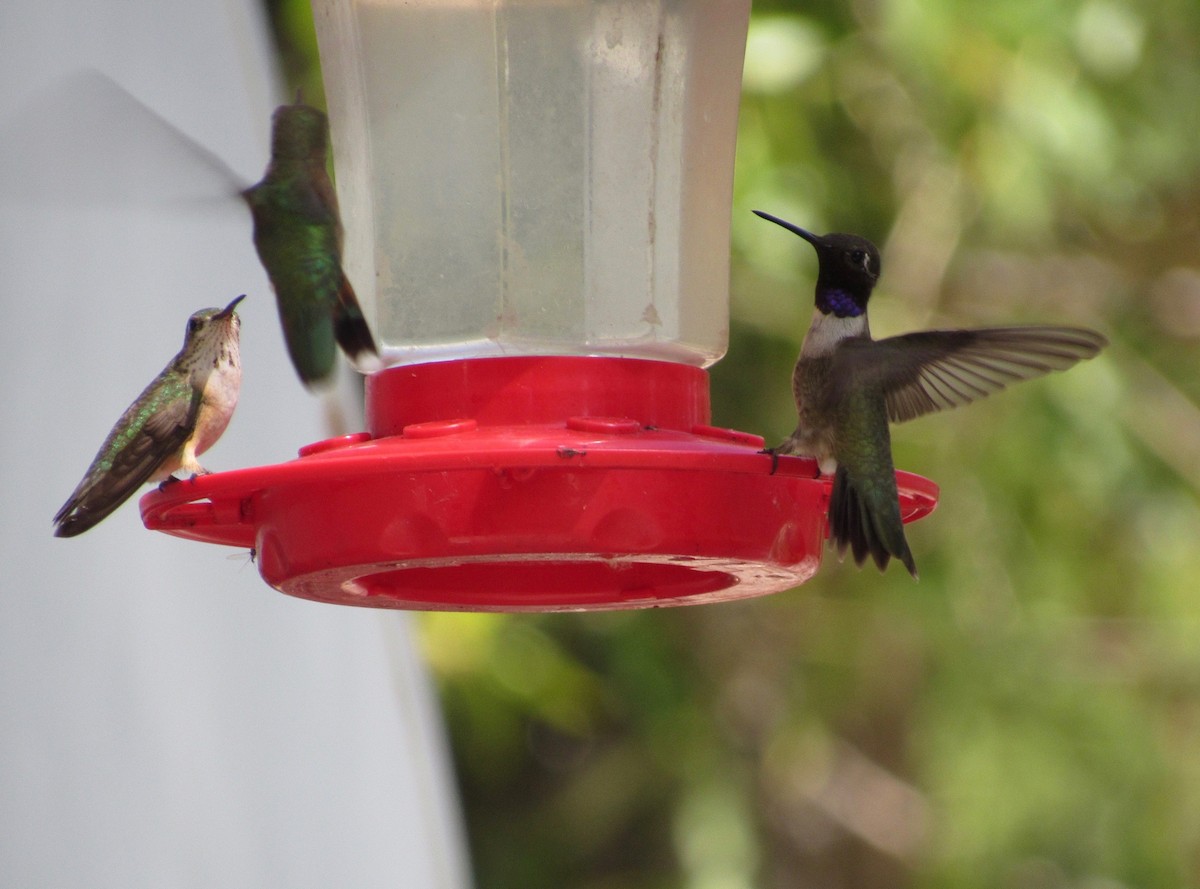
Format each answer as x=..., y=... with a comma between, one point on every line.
x=826, y=331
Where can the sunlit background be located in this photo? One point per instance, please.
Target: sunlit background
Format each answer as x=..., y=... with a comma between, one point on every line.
x=1027, y=716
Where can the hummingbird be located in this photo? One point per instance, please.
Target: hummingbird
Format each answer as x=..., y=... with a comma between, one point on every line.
x=179, y=416
x=298, y=236
x=848, y=387
x=297, y=227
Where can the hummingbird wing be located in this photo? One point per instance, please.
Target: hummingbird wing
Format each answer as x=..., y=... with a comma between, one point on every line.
x=933, y=370
x=112, y=148
x=148, y=434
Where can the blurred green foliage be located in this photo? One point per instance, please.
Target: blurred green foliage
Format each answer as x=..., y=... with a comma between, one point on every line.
x=1029, y=714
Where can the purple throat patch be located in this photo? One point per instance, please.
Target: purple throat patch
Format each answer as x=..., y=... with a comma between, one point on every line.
x=841, y=304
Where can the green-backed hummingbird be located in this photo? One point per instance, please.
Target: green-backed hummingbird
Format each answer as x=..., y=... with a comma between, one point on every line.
x=848, y=387
x=179, y=416
x=297, y=227
x=298, y=236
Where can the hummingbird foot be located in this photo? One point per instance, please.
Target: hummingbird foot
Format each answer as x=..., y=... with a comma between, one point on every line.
x=774, y=452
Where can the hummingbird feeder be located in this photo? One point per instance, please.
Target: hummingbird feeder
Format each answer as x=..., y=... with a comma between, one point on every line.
x=536, y=196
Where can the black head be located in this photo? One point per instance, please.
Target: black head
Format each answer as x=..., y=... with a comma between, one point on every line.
x=848, y=267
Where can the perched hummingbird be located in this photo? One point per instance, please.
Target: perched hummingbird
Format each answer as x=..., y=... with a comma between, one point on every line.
x=298, y=236
x=177, y=417
x=848, y=387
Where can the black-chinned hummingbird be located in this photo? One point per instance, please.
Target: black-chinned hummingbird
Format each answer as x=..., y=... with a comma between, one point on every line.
x=848, y=387
x=179, y=416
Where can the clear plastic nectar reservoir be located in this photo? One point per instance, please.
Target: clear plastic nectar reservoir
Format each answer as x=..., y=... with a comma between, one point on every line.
x=537, y=177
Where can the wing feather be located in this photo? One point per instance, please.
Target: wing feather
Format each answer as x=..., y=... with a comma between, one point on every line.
x=936, y=370
x=121, y=467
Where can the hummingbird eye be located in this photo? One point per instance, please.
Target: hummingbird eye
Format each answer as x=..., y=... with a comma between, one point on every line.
x=861, y=259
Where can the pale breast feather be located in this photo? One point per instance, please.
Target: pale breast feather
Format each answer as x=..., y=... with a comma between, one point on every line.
x=827, y=331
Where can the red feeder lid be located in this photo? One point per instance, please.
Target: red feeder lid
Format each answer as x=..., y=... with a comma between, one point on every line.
x=524, y=484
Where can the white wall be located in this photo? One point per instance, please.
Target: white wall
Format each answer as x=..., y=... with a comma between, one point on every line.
x=166, y=719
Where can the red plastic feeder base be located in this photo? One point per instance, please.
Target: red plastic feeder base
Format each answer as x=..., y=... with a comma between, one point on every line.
x=524, y=484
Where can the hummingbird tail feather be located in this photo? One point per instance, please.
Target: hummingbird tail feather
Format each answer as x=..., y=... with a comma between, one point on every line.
x=350, y=326
x=868, y=523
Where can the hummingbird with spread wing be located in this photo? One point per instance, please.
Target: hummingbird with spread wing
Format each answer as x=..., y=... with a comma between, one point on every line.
x=848, y=387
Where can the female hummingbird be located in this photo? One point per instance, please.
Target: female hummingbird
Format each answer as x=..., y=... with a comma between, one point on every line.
x=848, y=387
x=297, y=226
x=180, y=415
x=298, y=236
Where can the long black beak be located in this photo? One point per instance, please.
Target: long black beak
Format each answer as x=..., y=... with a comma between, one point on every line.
x=228, y=310
x=794, y=229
